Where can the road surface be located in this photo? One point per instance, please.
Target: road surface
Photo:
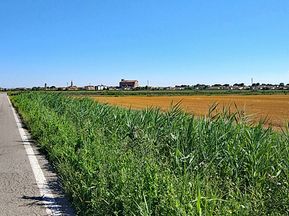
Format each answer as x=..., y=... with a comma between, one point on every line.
x=21, y=192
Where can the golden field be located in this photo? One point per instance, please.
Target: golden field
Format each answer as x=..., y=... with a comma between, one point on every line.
x=273, y=107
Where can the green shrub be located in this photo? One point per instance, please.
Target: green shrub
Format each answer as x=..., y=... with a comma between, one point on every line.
x=114, y=161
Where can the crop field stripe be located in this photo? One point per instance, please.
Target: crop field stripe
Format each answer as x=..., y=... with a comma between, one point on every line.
x=48, y=199
x=257, y=107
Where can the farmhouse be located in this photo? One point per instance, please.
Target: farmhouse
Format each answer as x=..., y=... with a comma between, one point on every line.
x=89, y=88
x=72, y=87
x=128, y=84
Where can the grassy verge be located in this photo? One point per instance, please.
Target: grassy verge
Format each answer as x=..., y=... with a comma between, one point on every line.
x=119, y=93
x=176, y=92
x=114, y=161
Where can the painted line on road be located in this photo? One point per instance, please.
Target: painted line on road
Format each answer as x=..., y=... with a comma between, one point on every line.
x=48, y=199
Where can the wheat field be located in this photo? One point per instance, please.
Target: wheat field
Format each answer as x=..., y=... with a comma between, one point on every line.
x=273, y=108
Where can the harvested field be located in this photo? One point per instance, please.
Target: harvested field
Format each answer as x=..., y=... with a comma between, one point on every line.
x=275, y=108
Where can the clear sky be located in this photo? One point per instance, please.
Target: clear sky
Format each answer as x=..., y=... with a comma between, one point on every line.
x=167, y=42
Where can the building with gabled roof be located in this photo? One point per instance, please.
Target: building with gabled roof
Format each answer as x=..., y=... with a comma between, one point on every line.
x=128, y=84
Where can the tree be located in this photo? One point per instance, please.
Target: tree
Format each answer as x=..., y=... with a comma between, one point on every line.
x=255, y=84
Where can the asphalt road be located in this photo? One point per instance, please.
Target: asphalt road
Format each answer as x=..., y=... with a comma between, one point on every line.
x=19, y=192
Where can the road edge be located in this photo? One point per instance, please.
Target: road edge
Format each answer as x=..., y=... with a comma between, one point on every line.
x=48, y=199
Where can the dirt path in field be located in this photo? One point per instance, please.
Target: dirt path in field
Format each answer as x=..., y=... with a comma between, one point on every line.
x=273, y=107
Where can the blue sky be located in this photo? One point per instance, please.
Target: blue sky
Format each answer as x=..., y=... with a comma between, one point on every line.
x=167, y=42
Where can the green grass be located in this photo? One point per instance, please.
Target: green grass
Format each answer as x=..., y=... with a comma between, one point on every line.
x=175, y=92
x=114, y=161
x=208, y=92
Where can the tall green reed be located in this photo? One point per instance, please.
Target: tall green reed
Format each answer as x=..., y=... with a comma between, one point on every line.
x=115, y=161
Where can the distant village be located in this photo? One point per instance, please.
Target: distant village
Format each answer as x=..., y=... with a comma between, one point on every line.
x=134, y=85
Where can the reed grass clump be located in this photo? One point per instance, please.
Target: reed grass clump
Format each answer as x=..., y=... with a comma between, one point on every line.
x=115, y=161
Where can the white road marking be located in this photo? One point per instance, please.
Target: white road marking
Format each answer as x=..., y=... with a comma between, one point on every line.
x=52, y=208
